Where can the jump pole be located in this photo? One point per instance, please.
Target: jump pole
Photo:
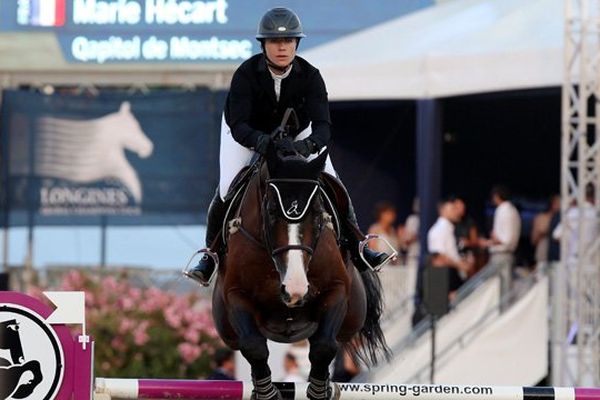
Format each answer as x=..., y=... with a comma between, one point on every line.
x=236, y=390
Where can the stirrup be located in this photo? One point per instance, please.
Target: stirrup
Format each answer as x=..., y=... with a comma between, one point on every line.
x=393, y=255
x=188, y=267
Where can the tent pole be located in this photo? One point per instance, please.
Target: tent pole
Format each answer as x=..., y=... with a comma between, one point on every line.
x=429, y=170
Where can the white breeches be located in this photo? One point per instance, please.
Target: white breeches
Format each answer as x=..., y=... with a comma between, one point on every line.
x=233, y=157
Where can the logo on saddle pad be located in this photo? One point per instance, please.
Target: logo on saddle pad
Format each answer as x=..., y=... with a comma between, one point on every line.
x=31, y=358
x=293, y=210
x=294, y=198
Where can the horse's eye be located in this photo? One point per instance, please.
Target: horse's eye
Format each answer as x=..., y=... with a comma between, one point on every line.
x=14, y=327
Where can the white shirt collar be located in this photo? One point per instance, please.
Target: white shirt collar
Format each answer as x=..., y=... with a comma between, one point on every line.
x=278, y=78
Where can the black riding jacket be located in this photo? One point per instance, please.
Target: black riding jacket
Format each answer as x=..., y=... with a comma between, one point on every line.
x=252, y=109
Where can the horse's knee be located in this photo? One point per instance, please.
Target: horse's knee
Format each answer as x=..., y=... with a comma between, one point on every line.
x=254, y=348
x=323, y=350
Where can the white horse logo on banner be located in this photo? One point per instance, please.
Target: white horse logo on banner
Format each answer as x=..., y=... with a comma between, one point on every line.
x=92, y=150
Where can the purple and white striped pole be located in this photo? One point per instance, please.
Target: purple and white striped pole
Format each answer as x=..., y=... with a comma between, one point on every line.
x=236, y=390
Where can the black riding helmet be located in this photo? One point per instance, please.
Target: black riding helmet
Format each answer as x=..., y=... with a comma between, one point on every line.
x=279, y=22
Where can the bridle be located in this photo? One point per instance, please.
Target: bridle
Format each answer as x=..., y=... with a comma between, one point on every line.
x=289, y=119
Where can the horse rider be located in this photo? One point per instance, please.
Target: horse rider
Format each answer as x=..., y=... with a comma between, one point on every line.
x=262, y=88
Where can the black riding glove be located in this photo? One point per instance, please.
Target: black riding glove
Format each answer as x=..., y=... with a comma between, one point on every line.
x=305, y=147
x=285, y=146
x=262, y=143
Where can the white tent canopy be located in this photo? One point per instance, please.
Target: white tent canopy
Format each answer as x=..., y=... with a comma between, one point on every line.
x=454, y=48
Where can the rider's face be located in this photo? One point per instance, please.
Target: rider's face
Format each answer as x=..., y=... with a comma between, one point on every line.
x=281, y=51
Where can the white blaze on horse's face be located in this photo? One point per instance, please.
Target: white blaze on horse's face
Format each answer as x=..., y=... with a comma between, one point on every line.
x=295, y=281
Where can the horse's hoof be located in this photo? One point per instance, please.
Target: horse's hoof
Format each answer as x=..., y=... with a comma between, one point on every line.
x=276, y=396
x=319, y=390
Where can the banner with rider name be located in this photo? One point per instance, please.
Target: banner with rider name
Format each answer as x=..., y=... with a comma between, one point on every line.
x=113, y=158
x=117, y=31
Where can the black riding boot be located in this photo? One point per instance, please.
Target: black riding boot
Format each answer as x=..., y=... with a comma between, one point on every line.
x=203, y=272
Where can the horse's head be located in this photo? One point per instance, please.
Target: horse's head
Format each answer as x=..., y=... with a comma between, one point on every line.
x=133, y=137
x=11, y=341
x=293, y=219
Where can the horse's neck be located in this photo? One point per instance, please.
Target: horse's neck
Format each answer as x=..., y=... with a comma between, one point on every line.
x=251, y=207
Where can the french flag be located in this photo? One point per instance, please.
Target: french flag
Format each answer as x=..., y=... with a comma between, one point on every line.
x=47, y=12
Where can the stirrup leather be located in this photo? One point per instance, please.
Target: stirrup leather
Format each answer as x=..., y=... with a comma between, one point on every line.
x=363, y=244
x=207, y=251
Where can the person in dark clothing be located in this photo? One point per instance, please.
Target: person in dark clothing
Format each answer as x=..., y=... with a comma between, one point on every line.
x=224, y=366
x=262, y=88
x=467, y=238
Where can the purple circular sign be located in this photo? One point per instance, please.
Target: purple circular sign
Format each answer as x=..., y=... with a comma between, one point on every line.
x=36, y=356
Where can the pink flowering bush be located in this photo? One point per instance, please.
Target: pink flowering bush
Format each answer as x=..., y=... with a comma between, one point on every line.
x=147, y=333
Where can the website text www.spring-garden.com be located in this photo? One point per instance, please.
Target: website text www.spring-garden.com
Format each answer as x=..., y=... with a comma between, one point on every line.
x=415, y=390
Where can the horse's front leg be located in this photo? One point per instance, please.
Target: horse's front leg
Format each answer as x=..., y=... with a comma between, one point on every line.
x=323, y=343
x=253, y=346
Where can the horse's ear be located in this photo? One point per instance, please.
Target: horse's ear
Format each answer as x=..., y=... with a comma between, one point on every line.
x=125, y=107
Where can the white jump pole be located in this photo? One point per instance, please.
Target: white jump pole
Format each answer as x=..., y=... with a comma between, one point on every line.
x=236, y=390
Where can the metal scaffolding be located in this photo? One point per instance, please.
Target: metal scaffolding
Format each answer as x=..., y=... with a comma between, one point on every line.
x=576, y=325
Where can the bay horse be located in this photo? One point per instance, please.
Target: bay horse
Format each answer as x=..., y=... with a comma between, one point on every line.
x=286, y=277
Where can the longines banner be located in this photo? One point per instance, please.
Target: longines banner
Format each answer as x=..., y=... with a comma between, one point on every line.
x=109, y=31
x=130, y=159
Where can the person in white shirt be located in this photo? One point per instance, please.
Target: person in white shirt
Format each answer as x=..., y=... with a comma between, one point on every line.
x=410, y=234
x=441, y=241
x=505, y=235
x=506, y=230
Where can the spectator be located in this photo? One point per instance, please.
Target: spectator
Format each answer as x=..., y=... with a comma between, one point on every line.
x=554, y=245
x=410, y=237
x=465, y=229
x=385, y=216
x=441, y=242
x=505, y=235
x=224, y=366
x=467, y=237
x=506, y=229
x=292, y=370
x=540, y=231
x=572, y=226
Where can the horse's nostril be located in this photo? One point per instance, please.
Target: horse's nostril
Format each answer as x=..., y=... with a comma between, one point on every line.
x=285, y=296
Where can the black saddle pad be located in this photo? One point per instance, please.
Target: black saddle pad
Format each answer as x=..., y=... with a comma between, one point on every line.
x=294, y=197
